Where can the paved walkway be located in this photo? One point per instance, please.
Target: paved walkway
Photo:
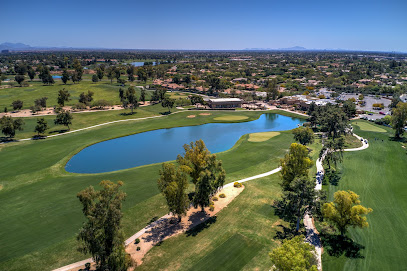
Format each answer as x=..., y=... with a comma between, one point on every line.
x=132, y=238
x=312, y=233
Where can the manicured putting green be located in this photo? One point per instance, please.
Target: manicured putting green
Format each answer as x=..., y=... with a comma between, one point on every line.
x=233, y=254
x=369, y=127
x=260, y=137
x=231, y=118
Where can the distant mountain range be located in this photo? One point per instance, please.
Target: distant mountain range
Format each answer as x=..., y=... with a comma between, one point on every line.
x=14, y=46
x=24, y=47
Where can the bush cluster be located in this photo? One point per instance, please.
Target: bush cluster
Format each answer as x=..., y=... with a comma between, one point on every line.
x=237, y=185
x=222, y=196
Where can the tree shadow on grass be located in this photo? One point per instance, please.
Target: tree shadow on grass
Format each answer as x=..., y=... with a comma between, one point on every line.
x=164, y=228
x=401, y=139
x=59, y=131
x=38, y=137
x=286, y=232
x=337, y=245
x=7, y=139
x=332, y=176
x=165, y=113
x=200, y=227
x=128, y=114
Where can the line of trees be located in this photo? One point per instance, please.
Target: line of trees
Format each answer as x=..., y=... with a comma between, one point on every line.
x=203, y=169
x=9, y=125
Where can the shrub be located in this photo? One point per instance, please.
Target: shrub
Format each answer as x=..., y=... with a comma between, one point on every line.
x=215, y=198
x=237, y=185
x=211, y=208
x=79, y=106
x=138, y=248
x=211, y=203
x=137, y=241
x=222, y=196
x=101, y=104
x=381, y=106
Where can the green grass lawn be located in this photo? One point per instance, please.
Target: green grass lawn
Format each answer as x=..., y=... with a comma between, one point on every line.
x=379, y=175
x=41, y=215
x=352, y=142
x=102, y=90
x=82, y=120
x=240, y=237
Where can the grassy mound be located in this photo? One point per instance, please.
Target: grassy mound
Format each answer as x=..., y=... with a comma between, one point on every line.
x=231, y=118
x=366, y=126
x=260, y=137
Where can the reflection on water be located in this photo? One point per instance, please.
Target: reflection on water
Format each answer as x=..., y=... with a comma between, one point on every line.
x=165, y=144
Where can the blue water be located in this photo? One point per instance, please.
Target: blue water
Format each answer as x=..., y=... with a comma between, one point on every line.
x=56, y=76
x=140, y=64
x=165, y=144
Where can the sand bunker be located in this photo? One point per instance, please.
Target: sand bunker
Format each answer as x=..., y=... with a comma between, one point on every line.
x=205, y=114
x=191, y=116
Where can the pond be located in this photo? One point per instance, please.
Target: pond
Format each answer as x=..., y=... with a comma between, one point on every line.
x=56, y=76
x=165, y=144
x=139, y=63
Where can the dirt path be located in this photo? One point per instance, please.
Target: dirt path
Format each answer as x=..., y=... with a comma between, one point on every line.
x=312, y=233
x=25, y=113
x=152, y=234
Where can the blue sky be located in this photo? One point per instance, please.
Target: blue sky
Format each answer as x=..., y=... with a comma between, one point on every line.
x=196, y=24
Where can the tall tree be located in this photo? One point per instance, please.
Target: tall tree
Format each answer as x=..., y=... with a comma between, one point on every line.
x=31, y=73
x=130, y=72
x=295, y=164
x=75, y=77
x=143, y=96
x=304, y=135
x=349, y=108
x=86, y=98
x=10, y=125
x=399, y=119
x=64, y=118
x=100, y=73
x=63, y=96
x=101, y=234
x=346, y=211
x=298, y=199
x=117, y=73
x=333, y=121
x=142, y=75
x=19, y=79
x=41, y=126
x=205, y=170
x=173, y=184
x=17, y=104
x=45, y=76
x=130, y=99
x=168, y=102
x=294, y=254
x=78, y=69
x=21, y=68
x=65, y=76
x=41, y=103
x=111, y=73
x=95, y=78
x=333, y=151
